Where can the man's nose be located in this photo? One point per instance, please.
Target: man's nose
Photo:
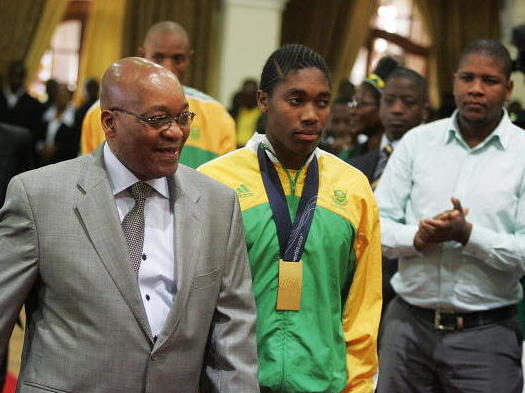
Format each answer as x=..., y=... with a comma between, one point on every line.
x=397, y=107
x=174, y=131
x=476, y=87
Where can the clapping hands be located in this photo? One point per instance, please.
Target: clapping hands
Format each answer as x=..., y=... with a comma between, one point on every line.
x=446, y=226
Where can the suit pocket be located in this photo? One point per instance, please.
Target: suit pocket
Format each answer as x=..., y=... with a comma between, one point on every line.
x=33, y=387
x=206, y=280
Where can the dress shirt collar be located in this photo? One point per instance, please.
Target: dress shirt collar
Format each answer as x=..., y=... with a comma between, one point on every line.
x=500, y=135
x=11, y=96
x=257, y=138
x=385, y=141
x=121, y=177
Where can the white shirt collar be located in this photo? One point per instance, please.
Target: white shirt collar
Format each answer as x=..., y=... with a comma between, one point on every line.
x=121, y=178
x=500, y=134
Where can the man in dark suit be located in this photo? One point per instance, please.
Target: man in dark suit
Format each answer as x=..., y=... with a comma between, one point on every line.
x=15, y=157
x=17, y=107
x=403, y=106
x=15, y=154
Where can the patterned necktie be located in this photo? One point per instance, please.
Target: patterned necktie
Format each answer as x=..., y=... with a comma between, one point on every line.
x=133, y=223
x=381, y=164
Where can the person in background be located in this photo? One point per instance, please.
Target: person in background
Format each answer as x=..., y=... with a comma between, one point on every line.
x=17, y=107
x=60, y=138
x=365, y=113
x=51, y=93
x=403, y=105
x=312, y=232
x=245, y=111
x=213, y=131
x=90, y=97
x=452, y=203
x=340, y=137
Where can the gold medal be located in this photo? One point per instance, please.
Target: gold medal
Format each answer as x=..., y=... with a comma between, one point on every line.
x=290, y=285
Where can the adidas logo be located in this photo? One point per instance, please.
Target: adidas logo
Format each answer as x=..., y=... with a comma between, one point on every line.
x=243, y=191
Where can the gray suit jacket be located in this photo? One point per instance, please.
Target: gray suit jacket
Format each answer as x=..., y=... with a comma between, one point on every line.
x=63, y=254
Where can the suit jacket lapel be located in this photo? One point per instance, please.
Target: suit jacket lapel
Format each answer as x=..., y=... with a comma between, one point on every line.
x=99, y=215
x=187, y=233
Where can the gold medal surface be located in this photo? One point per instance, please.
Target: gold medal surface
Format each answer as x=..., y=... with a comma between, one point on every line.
x=290, y=285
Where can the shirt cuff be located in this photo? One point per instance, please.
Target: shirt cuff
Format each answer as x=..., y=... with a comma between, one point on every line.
x=477, y=243
x=403, y=244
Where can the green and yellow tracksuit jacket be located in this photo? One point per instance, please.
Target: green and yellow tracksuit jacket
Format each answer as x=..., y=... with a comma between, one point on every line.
x=330, y=344
x=212, y=132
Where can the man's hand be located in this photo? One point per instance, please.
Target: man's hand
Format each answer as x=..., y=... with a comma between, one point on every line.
x=446, y=226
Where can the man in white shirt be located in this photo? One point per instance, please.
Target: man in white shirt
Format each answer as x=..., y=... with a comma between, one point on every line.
x=133, y=268
x=452, y=203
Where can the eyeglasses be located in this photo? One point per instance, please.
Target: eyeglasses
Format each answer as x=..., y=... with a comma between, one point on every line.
x=162, y=122
x=360, y=104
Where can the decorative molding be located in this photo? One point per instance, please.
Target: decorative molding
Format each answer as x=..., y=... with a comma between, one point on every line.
x=259, y=4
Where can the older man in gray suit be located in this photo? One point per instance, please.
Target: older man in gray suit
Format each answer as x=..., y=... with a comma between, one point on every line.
x=132, y=268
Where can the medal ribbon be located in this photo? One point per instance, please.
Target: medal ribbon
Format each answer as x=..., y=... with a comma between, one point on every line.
x=292, y=237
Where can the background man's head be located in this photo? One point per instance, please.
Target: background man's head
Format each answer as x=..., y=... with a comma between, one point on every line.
x=167, y=44
x=139, y=101
x=404, y=103
x=339, y=128
x=16, y=75
x=482, y=83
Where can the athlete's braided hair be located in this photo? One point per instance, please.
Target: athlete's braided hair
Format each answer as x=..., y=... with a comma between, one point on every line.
x=287, y=59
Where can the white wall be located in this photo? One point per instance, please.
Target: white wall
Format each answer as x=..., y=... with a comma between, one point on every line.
x=251, y=30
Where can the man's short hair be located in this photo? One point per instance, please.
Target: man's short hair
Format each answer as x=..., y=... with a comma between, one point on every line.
x=407, y=73
x=287, y=59
x=490, y=48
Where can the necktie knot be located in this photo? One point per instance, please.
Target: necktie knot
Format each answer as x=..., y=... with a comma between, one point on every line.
x=388, y=149
x=140, y=191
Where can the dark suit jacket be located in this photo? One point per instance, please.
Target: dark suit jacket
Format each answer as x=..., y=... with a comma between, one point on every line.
x=366, y=163
x=67, y=144
x=15, y=154
x=26, y=113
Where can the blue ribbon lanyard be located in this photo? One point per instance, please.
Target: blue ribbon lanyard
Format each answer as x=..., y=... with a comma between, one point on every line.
x=292, y=237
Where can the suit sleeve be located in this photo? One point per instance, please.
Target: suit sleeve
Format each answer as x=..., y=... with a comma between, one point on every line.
x=362, y=310
x=18, y=257
x=232, y=362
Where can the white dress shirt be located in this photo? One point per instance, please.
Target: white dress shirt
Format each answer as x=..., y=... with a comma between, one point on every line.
x=431, y=164
x=54, y=122
x=157, y=281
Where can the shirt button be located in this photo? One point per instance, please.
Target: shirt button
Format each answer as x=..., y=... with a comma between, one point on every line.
x=144, y=257
x=147, y=297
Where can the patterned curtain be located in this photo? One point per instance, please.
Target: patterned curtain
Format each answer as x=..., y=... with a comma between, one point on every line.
x=336, y=29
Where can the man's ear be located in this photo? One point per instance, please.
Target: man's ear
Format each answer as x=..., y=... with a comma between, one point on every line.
x=108, y=124
x=262, y=100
